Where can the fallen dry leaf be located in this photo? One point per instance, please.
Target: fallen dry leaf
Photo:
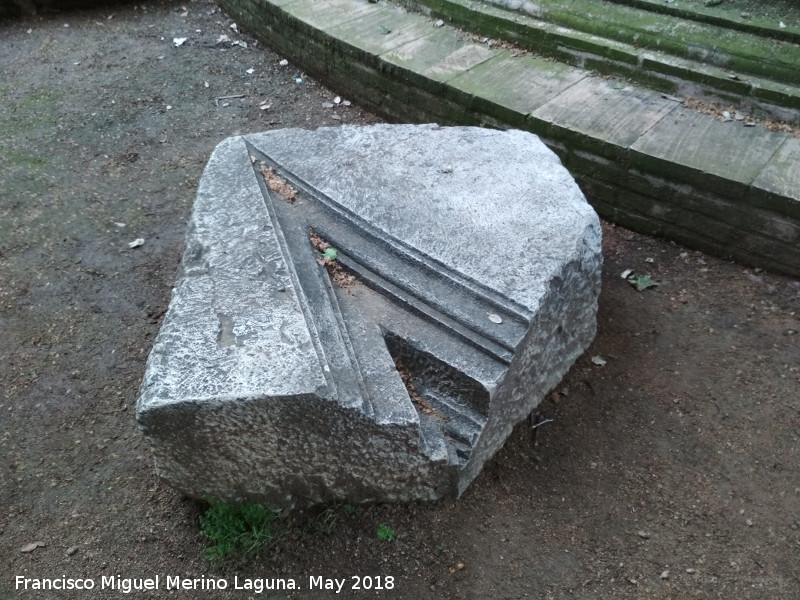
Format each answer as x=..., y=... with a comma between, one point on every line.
x=278, y=184
x=340, y=277
x=457, y=568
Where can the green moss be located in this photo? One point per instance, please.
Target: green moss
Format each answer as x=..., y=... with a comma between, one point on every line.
x=15, y=157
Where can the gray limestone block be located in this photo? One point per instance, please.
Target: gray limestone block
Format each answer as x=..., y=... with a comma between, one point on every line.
x=464, y=286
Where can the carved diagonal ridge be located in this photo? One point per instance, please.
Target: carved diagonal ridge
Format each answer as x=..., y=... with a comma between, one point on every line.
x=418, y=282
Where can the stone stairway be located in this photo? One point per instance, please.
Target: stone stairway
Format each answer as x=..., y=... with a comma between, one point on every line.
x=685, y=49
x=677, y=119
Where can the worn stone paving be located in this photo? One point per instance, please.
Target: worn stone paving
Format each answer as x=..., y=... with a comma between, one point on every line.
x=642, y=157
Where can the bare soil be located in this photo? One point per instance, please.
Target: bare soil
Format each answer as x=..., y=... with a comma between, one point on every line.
x=669, y=472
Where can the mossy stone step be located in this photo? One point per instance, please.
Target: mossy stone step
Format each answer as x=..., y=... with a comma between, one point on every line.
x=663, y=51
x=779, y=20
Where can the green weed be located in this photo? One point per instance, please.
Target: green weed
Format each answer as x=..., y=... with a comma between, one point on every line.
x=386, y=533
x=237, y=530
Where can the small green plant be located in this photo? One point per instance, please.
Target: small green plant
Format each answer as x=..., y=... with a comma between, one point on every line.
x=237, y=530
x=386, y=533
x=641, y=282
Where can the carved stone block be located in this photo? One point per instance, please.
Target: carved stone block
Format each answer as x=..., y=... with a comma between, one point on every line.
x=364, y=313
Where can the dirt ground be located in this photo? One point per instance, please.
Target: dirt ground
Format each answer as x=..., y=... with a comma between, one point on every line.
x=669, y=472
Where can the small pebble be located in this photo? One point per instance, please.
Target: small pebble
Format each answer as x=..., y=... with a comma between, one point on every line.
x=72, y=550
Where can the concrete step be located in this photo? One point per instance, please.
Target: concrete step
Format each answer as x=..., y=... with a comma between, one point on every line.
x=680, y=51
x=642, y=157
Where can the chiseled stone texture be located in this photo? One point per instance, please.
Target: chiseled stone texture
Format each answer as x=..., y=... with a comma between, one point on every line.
x=477, y=270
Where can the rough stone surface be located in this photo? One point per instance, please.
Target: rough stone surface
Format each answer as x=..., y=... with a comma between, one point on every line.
x=476, y=264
